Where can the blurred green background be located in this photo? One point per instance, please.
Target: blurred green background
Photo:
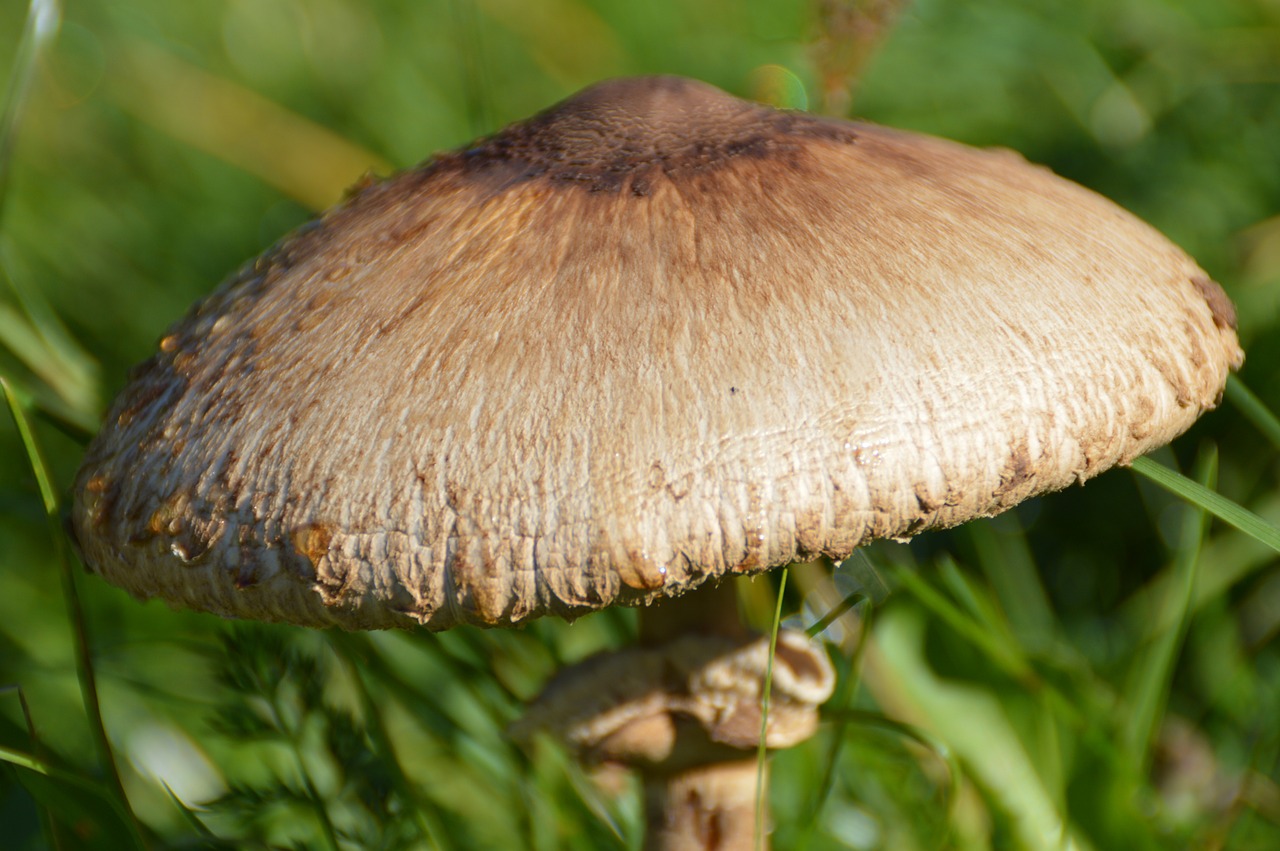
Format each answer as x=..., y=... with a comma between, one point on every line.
x=1098, y=669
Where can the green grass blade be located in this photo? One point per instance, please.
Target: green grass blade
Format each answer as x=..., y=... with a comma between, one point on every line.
x=1253, y=410
x=43, y=17
x=467, y=24
x=75, y=613
x=932, y=744
x=1010, y=570
x=23, y=760
x=31, y=762
x=1009, y=660
x=1219, y=506
x=20, y=747
x=17, y=408
x=758, y=836
x=976, y=726
x=189, y=818
x=61, y=377
x=67, y=378
x=1154, y=668
x=838, y=708
x=980, y=608
x=64, y=791
x=54, y=831
x=820, y=625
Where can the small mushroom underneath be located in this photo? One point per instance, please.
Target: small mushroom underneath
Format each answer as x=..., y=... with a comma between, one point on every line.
x=626, y=706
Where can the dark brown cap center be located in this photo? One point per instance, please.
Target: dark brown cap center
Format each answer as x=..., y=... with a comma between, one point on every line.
x=616, y=133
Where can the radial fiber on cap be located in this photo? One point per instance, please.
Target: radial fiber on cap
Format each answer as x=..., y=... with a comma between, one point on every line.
x=649, y=337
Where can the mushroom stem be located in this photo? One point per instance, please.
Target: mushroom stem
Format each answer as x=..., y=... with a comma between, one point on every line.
x=710, y=805
x=684, y=711
x=705, y=807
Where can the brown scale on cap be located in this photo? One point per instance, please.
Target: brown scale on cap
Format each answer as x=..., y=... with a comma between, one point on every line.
x=1224, y=312
x=647, y=338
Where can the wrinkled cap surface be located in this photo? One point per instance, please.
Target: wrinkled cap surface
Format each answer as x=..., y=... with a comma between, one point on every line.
x=652, y=336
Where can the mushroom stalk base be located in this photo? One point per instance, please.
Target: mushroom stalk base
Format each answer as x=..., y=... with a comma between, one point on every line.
x=711, y=805
x=703, y=808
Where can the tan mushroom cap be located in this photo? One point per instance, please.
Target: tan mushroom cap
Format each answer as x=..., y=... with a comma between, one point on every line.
x=652, y=336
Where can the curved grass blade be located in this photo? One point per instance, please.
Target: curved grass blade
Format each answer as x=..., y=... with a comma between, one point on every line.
x=54, y=830
x=39, y=355
x=837, y=708
x=1007, y=656
x=976, y=725
x=820, y=625
x=65, y=788
x=1254, y=410
x=758, y=835
x=1009, y=567
x=1214, y=503
x=861, y=717
x=31, y=762
x=75, y=613
x=1155, y=667
x=41, y=26
x=207, y=838
x=66, y=380
x=231, y=122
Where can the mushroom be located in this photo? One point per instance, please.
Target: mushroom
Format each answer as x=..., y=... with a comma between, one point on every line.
x=650, y=338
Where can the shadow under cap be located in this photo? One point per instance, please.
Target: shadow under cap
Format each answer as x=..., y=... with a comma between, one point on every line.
x=650, y=337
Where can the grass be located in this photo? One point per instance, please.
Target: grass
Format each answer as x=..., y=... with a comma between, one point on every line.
x=1096, y=669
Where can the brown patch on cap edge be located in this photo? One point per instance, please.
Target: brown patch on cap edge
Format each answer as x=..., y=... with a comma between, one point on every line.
x=1224, y=312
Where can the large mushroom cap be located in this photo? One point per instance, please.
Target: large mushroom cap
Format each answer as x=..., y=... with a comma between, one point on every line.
x=649, y=337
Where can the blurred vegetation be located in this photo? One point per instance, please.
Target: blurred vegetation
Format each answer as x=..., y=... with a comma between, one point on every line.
x=1097, y=669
